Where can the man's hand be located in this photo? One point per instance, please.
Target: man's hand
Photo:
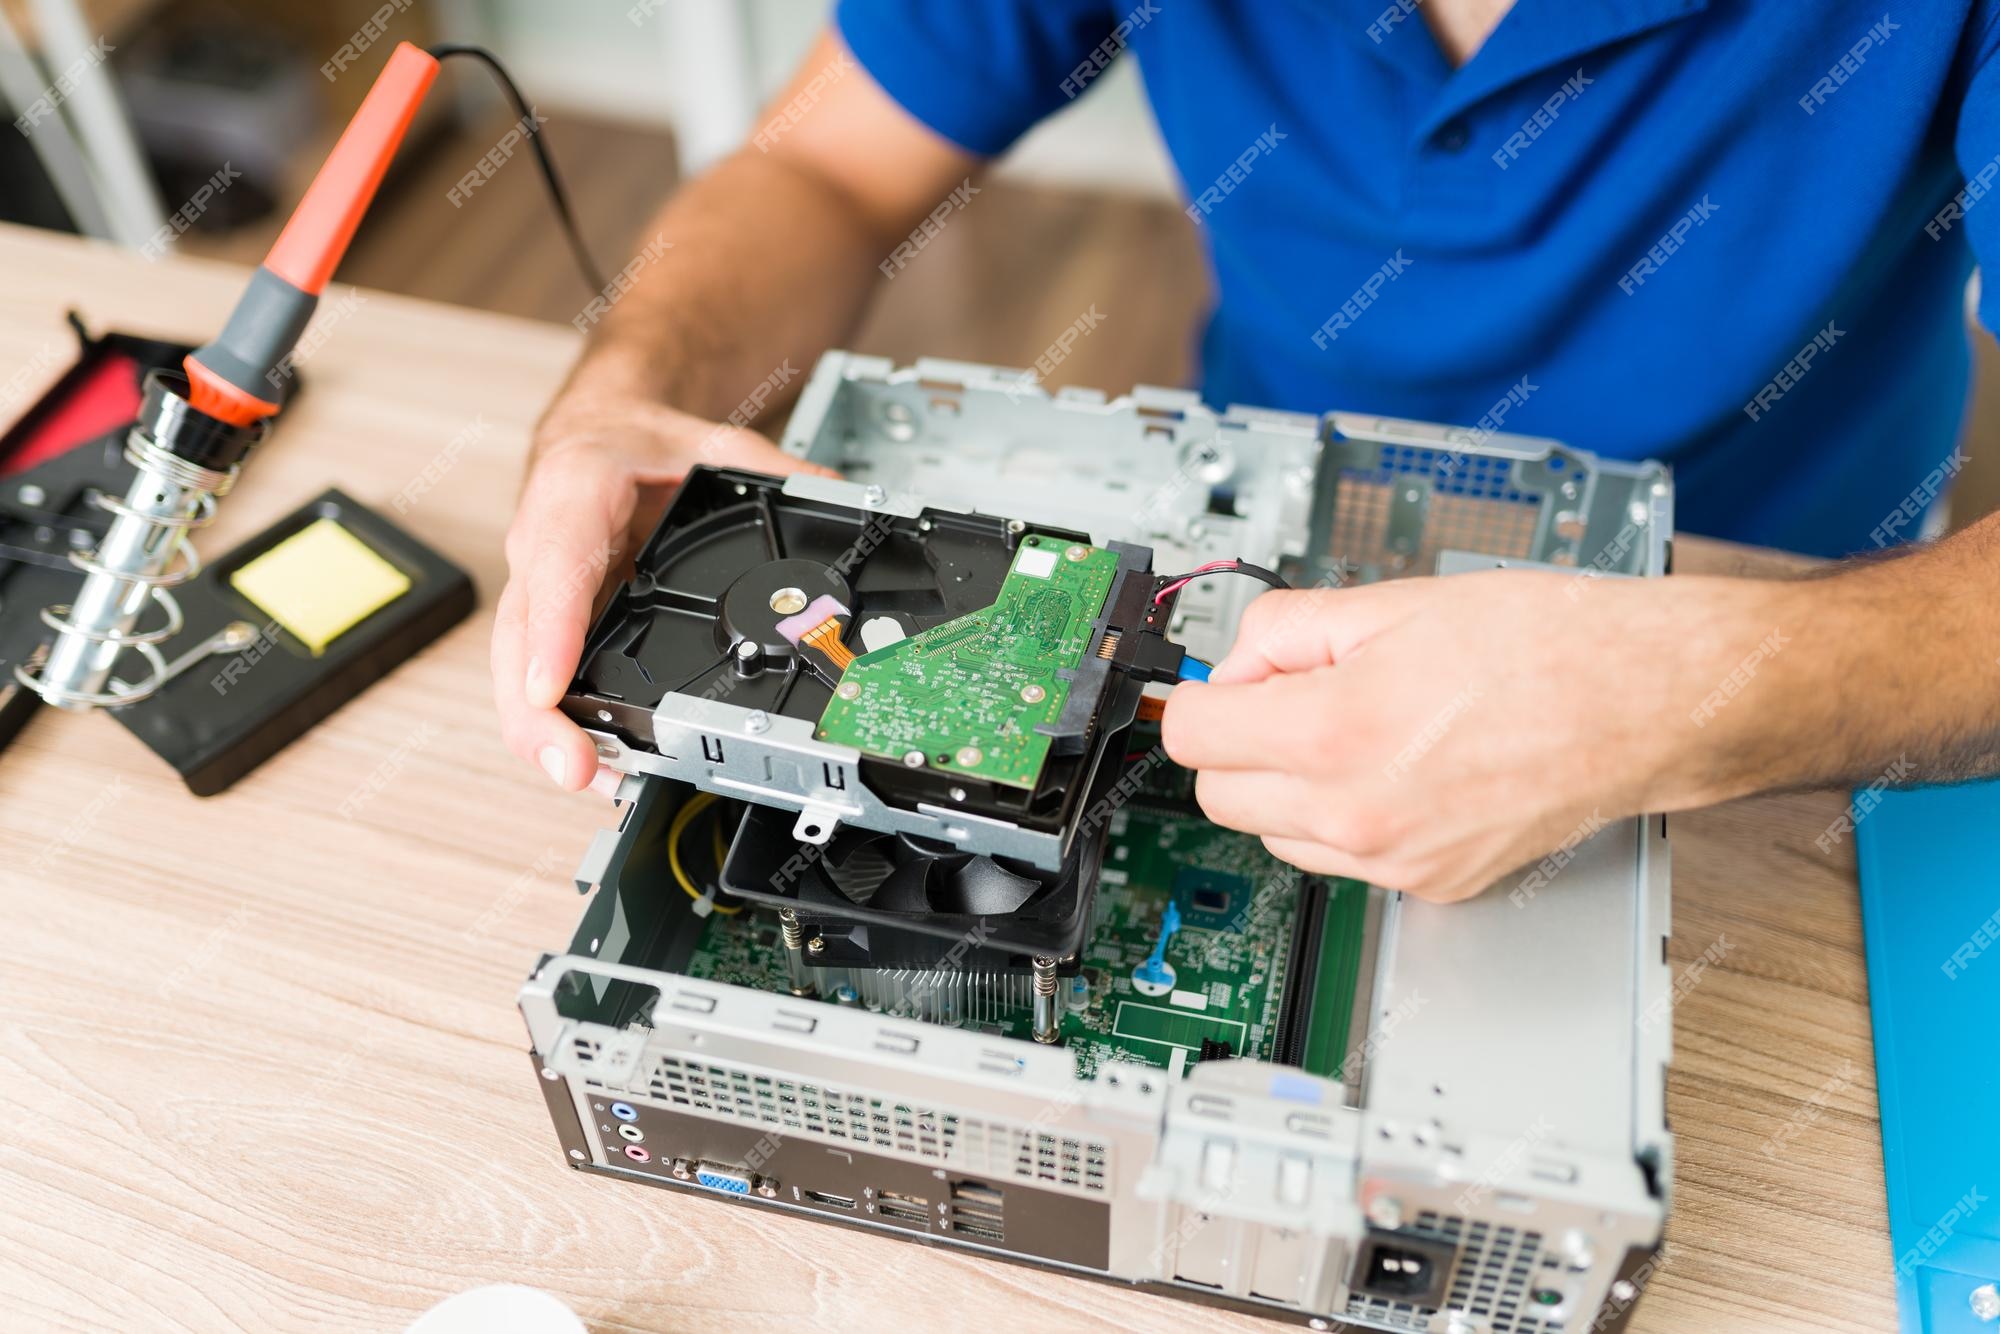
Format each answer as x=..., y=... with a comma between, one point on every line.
x=1430, y=735
x=602, y=464
x=765, y=261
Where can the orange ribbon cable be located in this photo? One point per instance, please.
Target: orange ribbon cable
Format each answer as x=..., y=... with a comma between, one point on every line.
x=826, y=638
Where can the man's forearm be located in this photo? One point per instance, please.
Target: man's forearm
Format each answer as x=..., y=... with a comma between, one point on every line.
x=1890, y=668
x=766, y=266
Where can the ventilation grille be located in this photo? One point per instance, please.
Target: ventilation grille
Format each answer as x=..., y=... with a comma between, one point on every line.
x=981, y=1147
x=1473, y=505
x=1490, y=1278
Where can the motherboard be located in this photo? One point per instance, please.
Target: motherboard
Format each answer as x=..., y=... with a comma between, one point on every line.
x=1264, y=961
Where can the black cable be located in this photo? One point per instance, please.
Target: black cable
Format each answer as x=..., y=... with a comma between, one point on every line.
x=557, y=195
x=1271, y=577
x=1168, y=583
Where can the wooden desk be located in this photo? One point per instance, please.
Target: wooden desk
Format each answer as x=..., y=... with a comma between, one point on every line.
x=260, y=1064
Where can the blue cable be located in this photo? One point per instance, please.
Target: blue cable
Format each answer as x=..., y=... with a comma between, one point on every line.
x=1193, y=669
x=1155, y=969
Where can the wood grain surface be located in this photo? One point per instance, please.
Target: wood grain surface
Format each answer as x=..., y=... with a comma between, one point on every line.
x=260, y=1065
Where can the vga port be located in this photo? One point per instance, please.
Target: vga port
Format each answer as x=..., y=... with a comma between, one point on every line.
x=728, y=1180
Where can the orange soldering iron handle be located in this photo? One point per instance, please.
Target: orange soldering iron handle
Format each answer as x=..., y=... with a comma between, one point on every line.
x=238, y=377
x=309, y=249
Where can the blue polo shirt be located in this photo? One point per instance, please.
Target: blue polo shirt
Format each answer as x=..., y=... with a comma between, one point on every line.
x=1730, y=234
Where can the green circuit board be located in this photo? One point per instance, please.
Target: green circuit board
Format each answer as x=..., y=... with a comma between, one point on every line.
x=966, y=696
x=1232, y=957
x=1228, y=958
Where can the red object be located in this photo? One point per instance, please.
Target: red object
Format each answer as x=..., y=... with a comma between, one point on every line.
x=104, y=399
x=309, y=249
x=211, y=394
x=1213, y=567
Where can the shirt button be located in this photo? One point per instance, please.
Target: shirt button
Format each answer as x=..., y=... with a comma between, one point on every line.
x=1453, y=137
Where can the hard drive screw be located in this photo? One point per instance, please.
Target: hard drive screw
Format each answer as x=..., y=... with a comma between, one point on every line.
x=958, y=794
x=875, y=495
x=1985, y=1302
x=1386, y=1211
x=1016, y=526
x=913, y=759
x=30, y=494
x=1033, y=694
x=1076, y=553
x=849, y=690
x=758, y=721
x=817, y=945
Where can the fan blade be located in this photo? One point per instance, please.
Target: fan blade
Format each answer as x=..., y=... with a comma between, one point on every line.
x=856, y=863
x=906, y=889
x=982, y=888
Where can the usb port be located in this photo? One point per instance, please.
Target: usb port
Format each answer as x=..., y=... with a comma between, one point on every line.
x=971, y=1192
x=917, y=1202
x=831, y=1201
x=902, y=1213
x=977, y=1232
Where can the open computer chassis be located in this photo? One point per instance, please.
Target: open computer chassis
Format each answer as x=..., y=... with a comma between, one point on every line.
x=1428, y=1118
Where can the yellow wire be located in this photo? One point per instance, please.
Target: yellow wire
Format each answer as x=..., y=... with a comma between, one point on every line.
x=684, y=817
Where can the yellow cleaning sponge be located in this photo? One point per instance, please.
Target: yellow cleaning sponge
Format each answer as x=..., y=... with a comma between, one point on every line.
x=320, y=582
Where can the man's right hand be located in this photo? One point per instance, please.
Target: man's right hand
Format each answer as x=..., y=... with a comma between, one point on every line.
x=600, y=471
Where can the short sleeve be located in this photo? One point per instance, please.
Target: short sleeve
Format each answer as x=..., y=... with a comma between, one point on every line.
x=1975, y=207
x=981, y=73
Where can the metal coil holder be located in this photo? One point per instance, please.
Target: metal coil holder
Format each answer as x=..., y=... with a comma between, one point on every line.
x=170, y=447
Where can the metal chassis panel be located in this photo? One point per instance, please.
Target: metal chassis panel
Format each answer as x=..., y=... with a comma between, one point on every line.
x=1540, y=1108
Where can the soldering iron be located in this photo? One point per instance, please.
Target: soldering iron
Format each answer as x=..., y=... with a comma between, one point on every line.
x=195, y=429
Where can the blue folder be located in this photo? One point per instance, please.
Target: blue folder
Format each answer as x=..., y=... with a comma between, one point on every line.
x=1930, y=906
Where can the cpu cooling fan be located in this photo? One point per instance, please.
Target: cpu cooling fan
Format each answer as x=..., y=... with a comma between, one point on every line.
x=896, y=901
x=901, y=873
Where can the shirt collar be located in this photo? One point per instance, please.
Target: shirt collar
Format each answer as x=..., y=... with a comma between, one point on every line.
x=1531, y=37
